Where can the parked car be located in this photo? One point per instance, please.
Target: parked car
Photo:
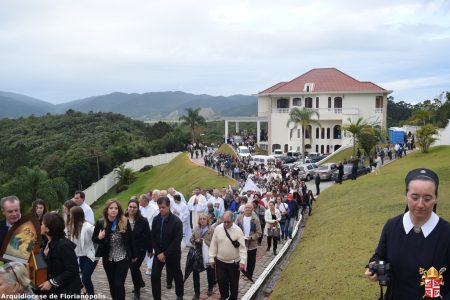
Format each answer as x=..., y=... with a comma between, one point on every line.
x=296, y=155
x=286, y=159
x=362, y=170
x=326, y=171
x=277, y=153
x=306, y=171
x=262, y=160
x=243, y=151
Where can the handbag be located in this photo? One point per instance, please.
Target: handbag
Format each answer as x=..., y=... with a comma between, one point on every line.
x=236, y=243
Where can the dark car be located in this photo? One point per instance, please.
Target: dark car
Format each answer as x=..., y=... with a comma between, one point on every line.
x=348, y=172
x=284, y=160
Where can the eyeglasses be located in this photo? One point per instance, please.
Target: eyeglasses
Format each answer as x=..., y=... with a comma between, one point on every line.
x=417, y=197
x=8, y=267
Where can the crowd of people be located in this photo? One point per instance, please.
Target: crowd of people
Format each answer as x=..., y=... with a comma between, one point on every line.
x=226, y=225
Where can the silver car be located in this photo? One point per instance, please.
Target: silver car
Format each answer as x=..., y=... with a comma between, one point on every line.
x=326, y=171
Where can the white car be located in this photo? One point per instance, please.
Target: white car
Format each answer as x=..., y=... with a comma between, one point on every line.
x=277, y=153
x=243, y=151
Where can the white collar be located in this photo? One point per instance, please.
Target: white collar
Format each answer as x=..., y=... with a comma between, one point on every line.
x=427, y=228
x=234, y=226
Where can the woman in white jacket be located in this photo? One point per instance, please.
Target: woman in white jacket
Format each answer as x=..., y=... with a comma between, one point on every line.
x=80, y=232
x=272, y=228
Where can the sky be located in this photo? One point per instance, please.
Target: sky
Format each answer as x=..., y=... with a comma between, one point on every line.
x=62, y=50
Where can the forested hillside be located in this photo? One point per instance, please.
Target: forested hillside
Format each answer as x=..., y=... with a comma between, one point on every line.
x=76, y=148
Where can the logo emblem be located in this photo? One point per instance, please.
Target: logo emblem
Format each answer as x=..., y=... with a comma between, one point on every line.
x=432, y=280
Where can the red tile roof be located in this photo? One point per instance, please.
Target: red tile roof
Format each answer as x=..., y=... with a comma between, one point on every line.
x=324, y=80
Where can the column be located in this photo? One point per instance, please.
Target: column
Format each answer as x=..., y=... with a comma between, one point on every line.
x=237, y=127
x=226, y=131
x=258, y=132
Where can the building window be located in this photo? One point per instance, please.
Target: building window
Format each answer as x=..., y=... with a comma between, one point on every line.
x=309, y=87
x=276, y=146
x=322, y=136
x=298, y=133
x=317, y=102
x=329, y=103
x=379, y=104
x=308, y=132
x=317, y=132
x=298, y=148
x=308, y=102
x=297, y=102
x=322, y=149
x=337, y=105
x=328, y=148
x=328, y=132
x=317, y=148
x=337, y=132
x=282, y=103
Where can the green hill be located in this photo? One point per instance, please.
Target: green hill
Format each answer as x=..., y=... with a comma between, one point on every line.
x=180, y=173
x=345, y=227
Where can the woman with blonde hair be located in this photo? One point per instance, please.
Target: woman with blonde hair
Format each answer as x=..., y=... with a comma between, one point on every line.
x=112, y=233
x=202, y=235
x=15, y=281
x=80, y=233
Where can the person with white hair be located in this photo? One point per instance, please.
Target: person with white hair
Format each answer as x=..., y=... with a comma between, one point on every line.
x=15, y=281
x=172, y=192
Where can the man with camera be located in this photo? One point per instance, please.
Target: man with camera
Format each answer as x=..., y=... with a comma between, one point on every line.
x=228, y=255
x=414, y=249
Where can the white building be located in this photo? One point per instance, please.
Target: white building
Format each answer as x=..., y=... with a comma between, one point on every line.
x=334, y=94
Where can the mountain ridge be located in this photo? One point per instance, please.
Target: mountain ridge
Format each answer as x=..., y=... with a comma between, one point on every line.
x=168, y=105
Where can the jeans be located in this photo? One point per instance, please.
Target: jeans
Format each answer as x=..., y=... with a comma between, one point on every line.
x=87, y=267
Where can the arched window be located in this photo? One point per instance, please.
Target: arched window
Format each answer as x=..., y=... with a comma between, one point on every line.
x=308, y=132
x=297, y=102
x=317, y=148
x=322, y=135
x=282, y=103
x=322, y=149
x=308, y=102
x=328, y=148
x=307, y=146
x=329, y=103
x=337, y=105
x=276, y=146
x=337, y=132
x=336, y=147
x=286, y=147
x=328, y=132
x=317, y=102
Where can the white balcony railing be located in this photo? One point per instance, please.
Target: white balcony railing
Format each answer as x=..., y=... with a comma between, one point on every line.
x=379, y=110
x=282, y=110
x=338, y=110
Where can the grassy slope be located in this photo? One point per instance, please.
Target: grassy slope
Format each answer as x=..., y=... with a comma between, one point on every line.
x=180, y=173
x=226, y=149
x=340, y=156
x=345, y=228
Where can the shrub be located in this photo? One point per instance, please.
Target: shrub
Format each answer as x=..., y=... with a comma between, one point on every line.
x=146, y=168
x=121, y=188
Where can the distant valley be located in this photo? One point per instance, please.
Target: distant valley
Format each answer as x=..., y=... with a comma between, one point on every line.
x=146, y=106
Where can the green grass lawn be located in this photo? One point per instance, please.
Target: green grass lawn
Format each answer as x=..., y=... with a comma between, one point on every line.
x=180, y=173
x=345, y=227
x=226, y=149
x=335, y=158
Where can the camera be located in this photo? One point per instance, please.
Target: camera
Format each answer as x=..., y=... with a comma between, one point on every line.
x=383, y=271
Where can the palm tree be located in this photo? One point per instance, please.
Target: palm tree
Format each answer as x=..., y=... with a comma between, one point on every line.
x=125, y=175
x=355, y=129
x=303, y=117
x=193, y=120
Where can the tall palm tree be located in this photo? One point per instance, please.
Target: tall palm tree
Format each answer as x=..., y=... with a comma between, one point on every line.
x=303, y=117
x=193, y=120
x=355, y=129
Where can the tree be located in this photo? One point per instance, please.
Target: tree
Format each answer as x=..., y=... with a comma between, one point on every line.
x=31, y=184
x=303, y=117
x=424, y=137
x=193, y=120
x=125, y=175
x=369, y=137
x=421, y=117
x=355, y=130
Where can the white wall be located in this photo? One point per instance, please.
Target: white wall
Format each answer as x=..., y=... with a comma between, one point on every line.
x=101, y=187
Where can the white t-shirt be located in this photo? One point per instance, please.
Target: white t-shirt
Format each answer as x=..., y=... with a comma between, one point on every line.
x=246, y=222
x=88, y=213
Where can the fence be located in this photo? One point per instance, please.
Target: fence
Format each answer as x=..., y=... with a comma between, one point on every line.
x=101, y=187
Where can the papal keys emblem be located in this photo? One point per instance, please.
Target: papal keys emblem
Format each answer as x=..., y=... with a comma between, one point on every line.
x=432, y=280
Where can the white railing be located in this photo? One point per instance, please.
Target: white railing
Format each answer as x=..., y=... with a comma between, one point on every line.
x=101, y=187
x=282, y=110
x=338, y=110
x=379, y=110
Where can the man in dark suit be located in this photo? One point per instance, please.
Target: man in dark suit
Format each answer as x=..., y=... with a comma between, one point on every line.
x=11, y=210
x=167, y=233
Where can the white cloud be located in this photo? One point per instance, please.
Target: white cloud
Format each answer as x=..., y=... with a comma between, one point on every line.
x=62, y=50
